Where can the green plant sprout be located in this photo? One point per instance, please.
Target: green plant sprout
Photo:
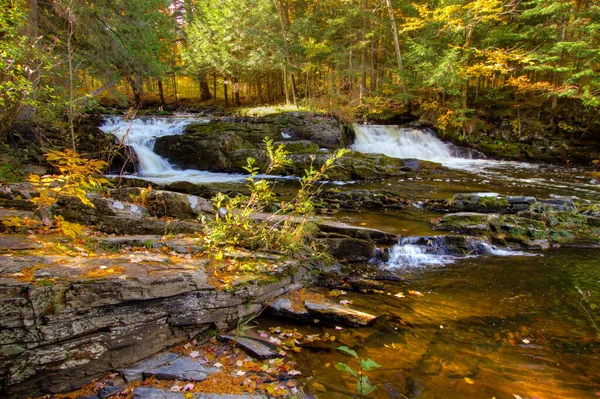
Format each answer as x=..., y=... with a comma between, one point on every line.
x=363, y=384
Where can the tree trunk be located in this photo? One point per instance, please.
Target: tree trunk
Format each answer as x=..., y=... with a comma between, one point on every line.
x=236, y=92
x=215, y=88
x=161, y=92
x=397, y=47
x=204, y=90
x=27, y=112
x=175, y=87
x=287, y=54
x=259, y=97
x=225, y=91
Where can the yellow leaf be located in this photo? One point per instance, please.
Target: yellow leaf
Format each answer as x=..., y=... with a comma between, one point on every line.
x=469, y=380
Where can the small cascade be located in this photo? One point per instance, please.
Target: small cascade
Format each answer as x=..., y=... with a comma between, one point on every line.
x=413, y=252
x=141, y=133
x=401, y=142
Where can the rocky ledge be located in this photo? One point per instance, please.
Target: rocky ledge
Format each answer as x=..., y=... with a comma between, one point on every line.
x=225, y=146
x=524, y=222
x=68, y=320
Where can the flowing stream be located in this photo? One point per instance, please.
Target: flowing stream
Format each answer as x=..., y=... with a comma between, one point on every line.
x=141, y=133
x=491, y=326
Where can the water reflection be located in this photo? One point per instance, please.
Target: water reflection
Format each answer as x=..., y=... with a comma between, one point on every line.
x=484, y=327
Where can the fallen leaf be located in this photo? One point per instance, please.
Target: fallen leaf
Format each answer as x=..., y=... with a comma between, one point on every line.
x=469, y=380
x=240, y=373
x=176, y=388
x=188, y=387
x=218, y=365
x=318, y=387
x=415, y=293
x=294, y=372
x=526, y=341
x=399, y=295
x=194, y=354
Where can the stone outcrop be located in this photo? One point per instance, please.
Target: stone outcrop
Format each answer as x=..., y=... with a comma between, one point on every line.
x=524, y=222
x=68, y=320
x=223, y=146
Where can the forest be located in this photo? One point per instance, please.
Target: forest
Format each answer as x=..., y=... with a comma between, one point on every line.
x=358, y=59
x=301, y=199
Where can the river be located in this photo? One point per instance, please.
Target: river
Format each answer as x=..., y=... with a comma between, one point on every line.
x=503, y=325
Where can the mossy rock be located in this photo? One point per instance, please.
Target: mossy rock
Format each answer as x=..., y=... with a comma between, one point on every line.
x=465, y=222
x=299, y=146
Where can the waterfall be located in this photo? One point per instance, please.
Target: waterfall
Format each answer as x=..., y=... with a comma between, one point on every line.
x=401, y=142
x=141, y=133
x=411, y=252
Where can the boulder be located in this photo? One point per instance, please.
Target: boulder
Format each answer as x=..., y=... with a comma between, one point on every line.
x=258, y=348
x=166, y=203
x=339, y=314
x=181, y=368
x=361, y=199
x=350, y=249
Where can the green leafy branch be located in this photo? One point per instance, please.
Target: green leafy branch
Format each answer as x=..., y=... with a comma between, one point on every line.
x=363, y=384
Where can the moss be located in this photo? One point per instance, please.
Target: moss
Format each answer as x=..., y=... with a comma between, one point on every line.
x=494, y=202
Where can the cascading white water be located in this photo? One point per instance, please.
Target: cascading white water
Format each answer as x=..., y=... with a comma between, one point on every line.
x=408, y=253
x=400, y=142
x=141, y=133
x=412, y=252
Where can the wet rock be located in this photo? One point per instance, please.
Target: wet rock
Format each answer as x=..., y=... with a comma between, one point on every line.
x=108, y=391
x=464, y=222
x=155, y=393
x=256, y=347
x=134, y=373
x=182, y=368
x=339, y=314
x=299, y=147
x=128, y=240
x=166, y=203
x=185, y=187
x=350, y=249
x=18, y=243
x=82, y=317
x=284, y=307
x=358, y=232
x=362, y=199
x=146, y=226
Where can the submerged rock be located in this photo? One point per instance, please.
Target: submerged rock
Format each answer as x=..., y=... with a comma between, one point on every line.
x=135, y=373
x=256, y=347
x=335, y=313
x=156, y=393
x=182, y=368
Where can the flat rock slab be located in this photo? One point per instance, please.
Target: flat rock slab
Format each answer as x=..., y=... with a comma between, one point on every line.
x=18, y=243
x=182, y=368
x=286, y=308
x=130, y=240
x=155, y=393
x=256, y=347
x=107, y=392
x=134, y=373
x=339, y=314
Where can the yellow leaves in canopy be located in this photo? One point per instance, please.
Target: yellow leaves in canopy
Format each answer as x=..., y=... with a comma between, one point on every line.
x=78, y=175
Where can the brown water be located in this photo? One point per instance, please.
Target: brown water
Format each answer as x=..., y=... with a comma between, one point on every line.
x=484, y=327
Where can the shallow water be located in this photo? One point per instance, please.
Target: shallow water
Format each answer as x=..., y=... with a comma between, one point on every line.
x=484, y=327
x=491, y=326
